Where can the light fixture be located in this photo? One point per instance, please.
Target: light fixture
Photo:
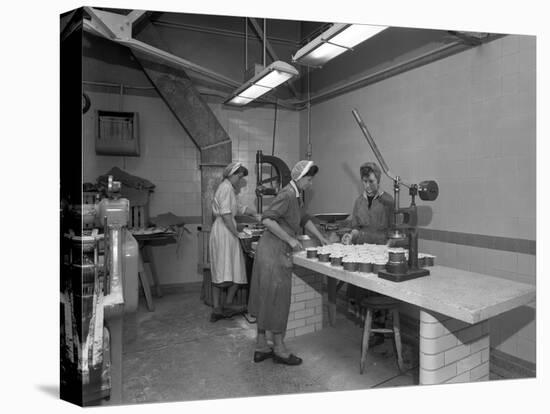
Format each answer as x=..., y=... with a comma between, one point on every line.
x=334, y=41
x=269, y=78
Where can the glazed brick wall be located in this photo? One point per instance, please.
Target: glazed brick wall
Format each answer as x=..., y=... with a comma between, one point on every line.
x=452, y=351
x=306, y=303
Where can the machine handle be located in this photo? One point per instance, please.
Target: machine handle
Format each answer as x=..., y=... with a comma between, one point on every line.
x=374, y=148
x=428, y=190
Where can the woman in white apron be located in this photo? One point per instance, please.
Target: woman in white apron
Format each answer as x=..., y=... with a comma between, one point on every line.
x=227, y=263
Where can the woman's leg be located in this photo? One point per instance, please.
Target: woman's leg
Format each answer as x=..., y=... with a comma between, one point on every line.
x=279, y=345
x=261, y=342
x=216, y=291
x=231, y=293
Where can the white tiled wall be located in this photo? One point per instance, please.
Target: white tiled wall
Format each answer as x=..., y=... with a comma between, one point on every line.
x=467, y=121
x=252, y=129
x=171, y=161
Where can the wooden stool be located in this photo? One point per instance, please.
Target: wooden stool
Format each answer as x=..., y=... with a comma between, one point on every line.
x=386, y=304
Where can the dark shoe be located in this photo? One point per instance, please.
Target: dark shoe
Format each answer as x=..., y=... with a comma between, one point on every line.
x=290, y=360
x=260, y=356
x=232, y=310
x=216, y=316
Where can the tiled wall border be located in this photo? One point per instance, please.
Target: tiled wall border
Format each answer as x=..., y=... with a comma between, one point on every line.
x=480, y=240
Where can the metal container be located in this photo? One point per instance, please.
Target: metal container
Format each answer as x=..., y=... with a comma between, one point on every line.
x=421, y=260
x=311, y=252
x=365, y=267
x=324, y=257
x=430, y=260
x=336, y=260
x=350, y=266
x=396, y=257
x=397, y=262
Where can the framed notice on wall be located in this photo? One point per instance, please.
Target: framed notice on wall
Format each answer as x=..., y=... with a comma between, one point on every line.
x=117, y=133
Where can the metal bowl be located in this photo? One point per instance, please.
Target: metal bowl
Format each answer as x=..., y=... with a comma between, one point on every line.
x=332, y=217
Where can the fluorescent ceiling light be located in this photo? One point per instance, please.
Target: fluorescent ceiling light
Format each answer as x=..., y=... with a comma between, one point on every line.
x=333, y=42
x=274, y=79
x=254, y=91
x=239, y=100
x=269, y=78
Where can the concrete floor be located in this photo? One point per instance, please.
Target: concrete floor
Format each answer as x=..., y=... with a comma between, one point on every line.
x=176, y=354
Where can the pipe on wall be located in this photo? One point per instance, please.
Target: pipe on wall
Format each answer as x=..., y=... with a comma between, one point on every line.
x=413, y=63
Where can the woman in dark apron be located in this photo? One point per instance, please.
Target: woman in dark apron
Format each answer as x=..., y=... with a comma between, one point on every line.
x=271, y=278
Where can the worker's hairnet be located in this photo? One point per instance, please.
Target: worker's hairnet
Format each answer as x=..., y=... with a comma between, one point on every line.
x=369, y=167
x=300, y=169
x=231, y=169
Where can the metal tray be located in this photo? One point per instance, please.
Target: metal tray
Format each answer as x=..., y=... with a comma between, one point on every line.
x=332, y=217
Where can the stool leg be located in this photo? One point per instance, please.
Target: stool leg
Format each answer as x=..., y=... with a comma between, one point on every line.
x=365, y=342
x=397, y=338
x=148, y=257
x=145, y=284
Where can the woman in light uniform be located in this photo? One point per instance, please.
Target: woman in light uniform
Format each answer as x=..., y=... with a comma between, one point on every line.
x=271, y=282
x=227, y=263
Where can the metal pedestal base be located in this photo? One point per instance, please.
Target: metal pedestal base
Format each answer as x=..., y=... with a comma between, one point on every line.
x=401, y=277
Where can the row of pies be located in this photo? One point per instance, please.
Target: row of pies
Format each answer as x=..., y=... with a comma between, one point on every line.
x=362, y=253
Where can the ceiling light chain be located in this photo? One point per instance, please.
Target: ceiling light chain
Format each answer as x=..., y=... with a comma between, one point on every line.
x=336, y=44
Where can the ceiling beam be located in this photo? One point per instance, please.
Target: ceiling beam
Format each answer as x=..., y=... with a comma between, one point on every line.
x=106, y=29
x=135, y=15
x=99, y=22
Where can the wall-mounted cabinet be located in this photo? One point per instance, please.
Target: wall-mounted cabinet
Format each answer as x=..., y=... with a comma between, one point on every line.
x=117, y=133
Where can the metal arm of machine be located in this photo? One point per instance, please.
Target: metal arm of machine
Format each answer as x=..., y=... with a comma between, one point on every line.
x=374, y=148
x=282, y=175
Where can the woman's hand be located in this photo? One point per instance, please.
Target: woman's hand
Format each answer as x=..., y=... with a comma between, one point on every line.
x=295, y=244
x=354, y=233
x=323, y=241
x=347, y=239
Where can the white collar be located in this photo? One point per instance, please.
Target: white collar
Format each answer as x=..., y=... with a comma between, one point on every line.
x=293, y=184
x=378, y=194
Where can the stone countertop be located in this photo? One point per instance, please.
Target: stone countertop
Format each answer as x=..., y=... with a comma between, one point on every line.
x=466, y=296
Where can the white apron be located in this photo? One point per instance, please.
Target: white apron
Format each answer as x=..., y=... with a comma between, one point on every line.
x=226, y=256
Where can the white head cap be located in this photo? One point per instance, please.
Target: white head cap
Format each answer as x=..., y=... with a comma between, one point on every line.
x=300, y=169
x=230, y=169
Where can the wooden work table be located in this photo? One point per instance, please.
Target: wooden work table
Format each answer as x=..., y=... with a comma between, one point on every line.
x=147, y=268
x=455, y=309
